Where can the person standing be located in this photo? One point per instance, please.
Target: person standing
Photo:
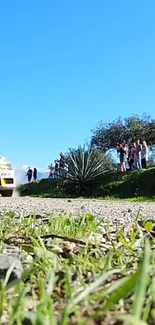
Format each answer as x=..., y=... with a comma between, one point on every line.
x=51, y=168
x=118, y=157
x=123, y=153
x=138, y=155
x=144, y=154
x=62, y=164
x=35, y=172
x=29, y=174
x=132, y=155
x=56, y=169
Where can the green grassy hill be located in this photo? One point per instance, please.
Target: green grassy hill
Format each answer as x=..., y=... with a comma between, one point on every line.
x=115, y=184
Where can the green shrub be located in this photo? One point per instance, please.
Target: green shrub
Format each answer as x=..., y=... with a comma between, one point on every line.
x=86, y=167
x=120, y=185
x=45, y=187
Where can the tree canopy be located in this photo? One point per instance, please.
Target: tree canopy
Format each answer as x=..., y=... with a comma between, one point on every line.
x=107, y=135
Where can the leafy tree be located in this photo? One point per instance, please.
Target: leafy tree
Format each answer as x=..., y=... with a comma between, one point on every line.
x=107, y=135
x=85, y=167
x=151, y=160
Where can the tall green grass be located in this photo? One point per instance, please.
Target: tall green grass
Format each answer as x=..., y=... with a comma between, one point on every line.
x=81, y=271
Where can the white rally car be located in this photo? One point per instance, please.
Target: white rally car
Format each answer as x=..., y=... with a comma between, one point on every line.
x=7, y=178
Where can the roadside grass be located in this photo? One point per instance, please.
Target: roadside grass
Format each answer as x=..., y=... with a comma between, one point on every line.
x=79, y=271
x=135, y=199
x=107, y=198
x=115, y=198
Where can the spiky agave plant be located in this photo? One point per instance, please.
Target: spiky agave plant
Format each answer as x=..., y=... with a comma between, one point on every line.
x=85, y=166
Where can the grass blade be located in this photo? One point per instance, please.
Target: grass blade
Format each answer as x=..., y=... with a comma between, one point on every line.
x=125, y=288
x=9, y=272
x=142, y=282
x=132, y=320
x=93, y=286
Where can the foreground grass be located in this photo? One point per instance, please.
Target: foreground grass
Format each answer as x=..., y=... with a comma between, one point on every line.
x=79, y=271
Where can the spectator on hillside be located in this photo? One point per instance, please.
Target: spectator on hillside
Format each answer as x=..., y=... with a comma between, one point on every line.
x=51, y=173
x=144, y=154
x=122, y=149
x=62, y=164
x=29, y=174
x=118, y=158
x=132, y=155
x=56, y=169
x=138, y=154
x=35, y=172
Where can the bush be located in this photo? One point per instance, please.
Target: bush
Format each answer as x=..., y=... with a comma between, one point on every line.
x=128, y=185
x=86, y=167
x=116, y=184
x=45, y=188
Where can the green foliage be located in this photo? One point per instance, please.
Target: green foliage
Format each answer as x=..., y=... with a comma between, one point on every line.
x=131, y=185
x=85, y=167
x=107, y=135
x=113, y=184
x=88, y=275
x=45, y=188
x=128, y=185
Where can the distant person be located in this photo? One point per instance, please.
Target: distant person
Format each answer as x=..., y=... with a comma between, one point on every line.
x=144, y=154
x=35, y=172
x=132, y=156
x=56, y=170
x=29, y=174
x=62, y=164
x=122, y=150
x=51, y=173
x=138, y=154
x=118, y=158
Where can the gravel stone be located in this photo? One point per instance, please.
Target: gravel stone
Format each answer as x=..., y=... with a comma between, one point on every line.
x=6, y=262
x=115, y=211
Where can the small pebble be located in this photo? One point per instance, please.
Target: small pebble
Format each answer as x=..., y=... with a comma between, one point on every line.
x=6, y=262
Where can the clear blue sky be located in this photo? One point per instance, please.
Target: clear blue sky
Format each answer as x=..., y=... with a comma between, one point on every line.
x=66, y=65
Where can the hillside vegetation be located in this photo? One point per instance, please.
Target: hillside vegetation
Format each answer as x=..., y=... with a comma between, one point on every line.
x=113, y=184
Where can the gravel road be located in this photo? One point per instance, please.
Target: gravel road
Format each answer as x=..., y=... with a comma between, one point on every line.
x=122, y=212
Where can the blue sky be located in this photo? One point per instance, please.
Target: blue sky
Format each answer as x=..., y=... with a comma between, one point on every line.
x=66, y=65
